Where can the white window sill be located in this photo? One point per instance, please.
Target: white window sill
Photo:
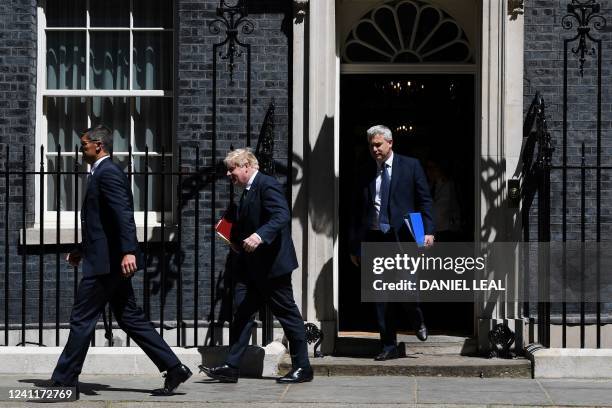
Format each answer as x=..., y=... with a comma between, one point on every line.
x=66, y=234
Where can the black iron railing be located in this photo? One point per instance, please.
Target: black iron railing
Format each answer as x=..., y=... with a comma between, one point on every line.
x=578, y=185
x=175, y=278
x=585, y=181
x=536, y=165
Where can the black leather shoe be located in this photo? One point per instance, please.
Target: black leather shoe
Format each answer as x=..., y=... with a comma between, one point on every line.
x=224, y=373
x=422, y=333
x=387, y=355
x=174, y=377
x=53, y=384
x=297, y=375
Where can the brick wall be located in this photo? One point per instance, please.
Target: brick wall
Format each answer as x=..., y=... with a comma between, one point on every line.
x=17, y=118
x=270, y=48
x=270, y=45
x=544, y=62
x=544, y=71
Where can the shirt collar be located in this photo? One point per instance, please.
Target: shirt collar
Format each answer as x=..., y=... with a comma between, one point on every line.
x=389, y=161
x=96, y=164
x=248, y=186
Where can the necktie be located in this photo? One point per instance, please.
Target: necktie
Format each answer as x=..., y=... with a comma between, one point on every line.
x=383, y=219
x=244, y=193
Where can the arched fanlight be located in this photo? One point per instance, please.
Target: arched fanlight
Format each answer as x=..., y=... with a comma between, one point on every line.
x=407, y=31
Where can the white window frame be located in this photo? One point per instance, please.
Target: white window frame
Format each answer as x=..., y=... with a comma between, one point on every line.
x=67, y=217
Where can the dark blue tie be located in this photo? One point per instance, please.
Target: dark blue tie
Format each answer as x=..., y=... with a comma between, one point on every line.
x=241, y=202
x=383, y=219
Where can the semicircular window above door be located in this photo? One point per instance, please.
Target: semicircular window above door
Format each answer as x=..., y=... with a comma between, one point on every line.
x=407, y=31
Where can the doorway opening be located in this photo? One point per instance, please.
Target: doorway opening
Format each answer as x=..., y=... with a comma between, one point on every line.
x=432, y=118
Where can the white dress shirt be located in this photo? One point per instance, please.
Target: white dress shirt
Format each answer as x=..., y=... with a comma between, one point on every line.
x=248, y=185
x=247, y=188
x=96, y=164
x=374, y=222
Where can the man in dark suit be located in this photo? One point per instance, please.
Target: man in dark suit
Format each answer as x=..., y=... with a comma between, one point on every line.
x=391, y=187
x=263, y=261
x=110, y=255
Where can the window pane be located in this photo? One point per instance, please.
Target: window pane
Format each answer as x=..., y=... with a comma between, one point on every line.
x=66, y=60
x=109, y=13
x=109, y=60
x=66, y=119
x=115, y=114
x=65, y=13
x=153, y=13
x=153, y=60
x=152, y=124
x=66, y=184
x=154, y=193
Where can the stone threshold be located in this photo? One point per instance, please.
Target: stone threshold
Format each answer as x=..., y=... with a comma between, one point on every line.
x=417, y=364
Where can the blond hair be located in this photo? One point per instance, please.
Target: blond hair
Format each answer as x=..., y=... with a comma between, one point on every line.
x=241, y=158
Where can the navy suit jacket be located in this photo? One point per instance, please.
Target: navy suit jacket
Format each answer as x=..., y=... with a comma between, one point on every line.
x=264, y=210
x=408, y=192
x=107, y=221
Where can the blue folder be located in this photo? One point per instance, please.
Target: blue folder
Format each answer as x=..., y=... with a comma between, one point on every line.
x=414, y=222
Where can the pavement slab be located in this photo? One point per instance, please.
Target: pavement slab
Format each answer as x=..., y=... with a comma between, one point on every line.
x=387, y=390
x=579, y=392
x=485, y=391
x=257, y=405
x=125, y=391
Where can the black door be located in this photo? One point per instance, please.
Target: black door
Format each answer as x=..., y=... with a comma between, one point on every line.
x=432, y=119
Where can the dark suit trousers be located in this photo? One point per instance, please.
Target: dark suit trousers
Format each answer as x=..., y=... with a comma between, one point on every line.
x=93, y=294
x=387, y=314
x=249, y=296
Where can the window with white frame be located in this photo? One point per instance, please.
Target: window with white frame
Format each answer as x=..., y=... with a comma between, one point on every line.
x=109, y=62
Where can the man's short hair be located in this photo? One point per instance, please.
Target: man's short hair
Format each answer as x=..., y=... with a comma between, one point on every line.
x=379, y=130
x=241, y=158
x=102, y=134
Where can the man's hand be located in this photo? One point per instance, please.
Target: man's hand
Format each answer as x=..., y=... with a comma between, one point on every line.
x=356, y=260
x=429, y=241
x=251, y=243
x=74, y=258
x=128, y=265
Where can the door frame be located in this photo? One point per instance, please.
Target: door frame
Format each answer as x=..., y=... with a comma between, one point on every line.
x=316, y=73
x=428, y=69
x=433, y=69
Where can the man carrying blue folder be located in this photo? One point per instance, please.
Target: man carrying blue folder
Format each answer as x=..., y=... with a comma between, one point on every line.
x=391, y=190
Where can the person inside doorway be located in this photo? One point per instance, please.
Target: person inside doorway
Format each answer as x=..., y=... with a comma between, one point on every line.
x=391, y=187
x=445, y=202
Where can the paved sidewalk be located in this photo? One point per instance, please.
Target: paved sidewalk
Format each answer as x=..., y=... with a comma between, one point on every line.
x=134, y=391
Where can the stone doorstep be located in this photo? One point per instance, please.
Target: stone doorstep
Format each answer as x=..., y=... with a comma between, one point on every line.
x=570, y=362
x=418, y=365
x=439, y=356
x=366, y=345
x=258, y=361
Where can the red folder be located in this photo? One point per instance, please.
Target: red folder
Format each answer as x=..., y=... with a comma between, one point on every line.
x=224, y=228
x=225, y=224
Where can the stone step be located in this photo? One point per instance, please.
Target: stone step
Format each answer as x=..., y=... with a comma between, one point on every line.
x=256, y=362
x=100, y=360
x=418, y=365
x=570, y=362
x=363, y=344
x=438, y=356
